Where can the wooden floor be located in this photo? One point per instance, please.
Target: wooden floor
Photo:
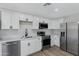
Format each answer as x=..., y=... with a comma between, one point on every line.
x=54, y=51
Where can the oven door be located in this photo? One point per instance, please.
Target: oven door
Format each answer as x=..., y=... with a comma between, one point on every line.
x=46, y=41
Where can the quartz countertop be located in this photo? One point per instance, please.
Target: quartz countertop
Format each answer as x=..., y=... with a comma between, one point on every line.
x=9, y=39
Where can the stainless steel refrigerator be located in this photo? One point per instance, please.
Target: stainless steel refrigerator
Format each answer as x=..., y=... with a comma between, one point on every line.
x=63, y=36
x=70, y=42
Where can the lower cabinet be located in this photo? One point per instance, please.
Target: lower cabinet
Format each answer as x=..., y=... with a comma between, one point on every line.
x=30, y=46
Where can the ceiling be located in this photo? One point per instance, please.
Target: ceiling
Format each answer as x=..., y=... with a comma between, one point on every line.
x=50, y=11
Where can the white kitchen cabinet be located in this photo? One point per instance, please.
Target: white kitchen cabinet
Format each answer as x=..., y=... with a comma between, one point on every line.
x=25, y=17
x=29, y=18
x=15, y=20
x=9, y=20
x=42, y=20
x=35, y=45
x=29, y=46
x=35, y=23
x=52, y=41
x=22, y=17
x=5, y=20
x=54, y=24
x=55, y=40
x=24, y=48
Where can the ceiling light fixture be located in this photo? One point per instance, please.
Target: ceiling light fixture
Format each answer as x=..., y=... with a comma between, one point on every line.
x=47, y=4
x=56, y=9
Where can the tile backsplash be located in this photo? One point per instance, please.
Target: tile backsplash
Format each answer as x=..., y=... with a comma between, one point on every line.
x=11, y=33
x=55, y=34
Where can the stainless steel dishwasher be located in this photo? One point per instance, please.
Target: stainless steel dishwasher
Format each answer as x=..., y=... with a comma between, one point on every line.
x=11, y=48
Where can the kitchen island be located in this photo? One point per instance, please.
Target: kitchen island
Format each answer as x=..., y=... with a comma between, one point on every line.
x=26, y=46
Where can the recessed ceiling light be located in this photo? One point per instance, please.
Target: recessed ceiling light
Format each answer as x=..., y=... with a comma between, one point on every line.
x=56, y=9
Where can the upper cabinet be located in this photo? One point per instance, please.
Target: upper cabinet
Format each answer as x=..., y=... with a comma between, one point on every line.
x=26, y=21
x=22, y=17
x=29, y=18
x=15, y=20
x=54, y=24
x=42, y=20
x=9, y=20
x=25, y=17
x=35, y=24
x=5, y=20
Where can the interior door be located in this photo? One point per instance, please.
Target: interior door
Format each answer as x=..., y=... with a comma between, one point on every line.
x=72, y=38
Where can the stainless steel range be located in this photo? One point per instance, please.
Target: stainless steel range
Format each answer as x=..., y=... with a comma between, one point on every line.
x=46, y=40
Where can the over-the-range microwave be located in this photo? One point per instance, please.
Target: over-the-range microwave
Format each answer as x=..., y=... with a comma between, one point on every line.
x=43, y=25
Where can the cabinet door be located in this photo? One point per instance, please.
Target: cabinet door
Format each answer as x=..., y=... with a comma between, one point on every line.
x=42, y=20
x=5, y=20
x=56, y=25
x=24, y=48
x=15, y=20
x=30, y=46
x=38, y=44
x=35, y=45
x=53, y=24
x=29, y=18
x=35, y=23
x=50, y=25
x=52, y=41
x=22, y=17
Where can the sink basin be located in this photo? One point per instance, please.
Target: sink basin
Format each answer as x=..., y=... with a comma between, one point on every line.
x=29, y=37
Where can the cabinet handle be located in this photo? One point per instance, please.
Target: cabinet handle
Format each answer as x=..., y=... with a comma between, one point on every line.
x=28, y=44
x=11, y=27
